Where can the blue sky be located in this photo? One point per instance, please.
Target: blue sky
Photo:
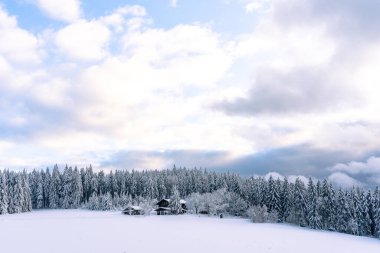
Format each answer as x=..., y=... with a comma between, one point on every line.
x=224, y=16
x=252, y=86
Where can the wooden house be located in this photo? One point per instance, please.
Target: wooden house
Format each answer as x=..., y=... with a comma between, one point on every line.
x=133, y=210
x=164, y=207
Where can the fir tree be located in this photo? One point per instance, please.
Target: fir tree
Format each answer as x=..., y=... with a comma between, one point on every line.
x=273, y=197
x=327, y=208
x=27, y=201
x=3, y=194
x=299, y=203
x=54, y=188
x=285, y=201
x=312, y=204
x=175, y=202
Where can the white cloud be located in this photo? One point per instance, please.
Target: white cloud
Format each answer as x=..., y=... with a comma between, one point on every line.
x=368, y=171
x=253, y=6
x=371, y=166
x=150, y=79
x=133, y=10
x=177, y=54
x=119, y=18
x=89, y=40
x=5, y=145
x=84, y=40
x=17, y=45
x=69, y=11
x=271, y=45
x=343, y=180
x=256, y=5
x=154, y=90
x=115, y=100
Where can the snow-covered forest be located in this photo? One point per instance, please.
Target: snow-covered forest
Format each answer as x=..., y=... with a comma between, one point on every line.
x=317, y=204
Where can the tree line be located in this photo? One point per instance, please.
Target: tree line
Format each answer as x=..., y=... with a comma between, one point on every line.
x=315, y=204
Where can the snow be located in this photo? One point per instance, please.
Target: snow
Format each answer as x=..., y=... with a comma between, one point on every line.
x=136, y=207
x=80, y=231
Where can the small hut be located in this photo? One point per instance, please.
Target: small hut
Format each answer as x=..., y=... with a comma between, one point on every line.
x=183, y=205
x=133, y=210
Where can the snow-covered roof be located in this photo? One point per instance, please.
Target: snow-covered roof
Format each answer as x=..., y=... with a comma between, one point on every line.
x=137, y=208
x=182, y=201
x=168, y=200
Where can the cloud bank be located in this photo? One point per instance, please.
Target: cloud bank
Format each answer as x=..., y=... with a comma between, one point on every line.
x=296, y=92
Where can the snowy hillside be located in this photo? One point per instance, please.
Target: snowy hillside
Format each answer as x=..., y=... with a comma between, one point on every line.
x=78, y=231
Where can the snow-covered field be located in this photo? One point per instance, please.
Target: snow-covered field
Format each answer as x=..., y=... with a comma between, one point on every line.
x=111, y=232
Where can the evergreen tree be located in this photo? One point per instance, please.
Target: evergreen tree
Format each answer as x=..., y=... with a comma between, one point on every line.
x=175, y=202
x=353, y=225
x=39, y=191
x=284, y=201
x=364, y=220
x=46, y=187
x=299, y=204
x=17, y=195
x=3, y=194
x=312, y=207
x=342, y=217
x=54, y=188
x=327, y=207
x=77, y=189
x=370, y=203
x=67, y=188
x=27, y=201
x=376, y=211
x=273, y=197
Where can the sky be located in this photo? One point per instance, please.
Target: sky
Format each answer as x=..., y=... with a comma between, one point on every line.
x=248, y=86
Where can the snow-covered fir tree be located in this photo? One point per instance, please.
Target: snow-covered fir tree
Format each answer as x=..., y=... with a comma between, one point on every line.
x=175, y=202
x=327, y=205
x=54, y=188
x=284, y=210
x=273, y=196
x=3, y=194
x=298, y=213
